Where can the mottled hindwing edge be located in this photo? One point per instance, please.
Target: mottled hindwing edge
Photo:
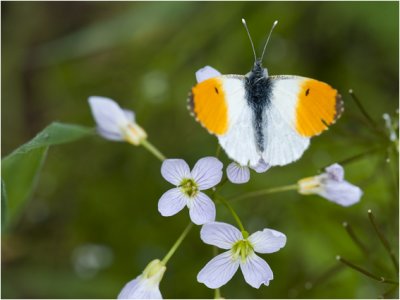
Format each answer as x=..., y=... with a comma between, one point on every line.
x=339, y=107
x=190, y=105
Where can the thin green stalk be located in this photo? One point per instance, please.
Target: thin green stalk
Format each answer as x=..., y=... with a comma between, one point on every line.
x=364, y=112
x=235, y=216
x=365, y=272
x=355, y=157
x=153, y=150
x=384, y=241
x=266, y=191
x=218, y=152
x=177, y=243
x=217, y=294
x=355, y=239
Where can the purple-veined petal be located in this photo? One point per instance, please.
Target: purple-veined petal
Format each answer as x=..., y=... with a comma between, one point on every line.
x=267, y=241
x=342, y=193
x=207, y=172
x=237, y=174
x=206, y=73
x=201, y=209
x=335, y=172
x=218, y=271
x=261, y=166
x=256, y=271
x=174, y=170
x=140, y=288
x=220, y=234
x=108, y=115
x=171, y=202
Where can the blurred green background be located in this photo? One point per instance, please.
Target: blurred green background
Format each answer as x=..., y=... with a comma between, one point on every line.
x=92, y=224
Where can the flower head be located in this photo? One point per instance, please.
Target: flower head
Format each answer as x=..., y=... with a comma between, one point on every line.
x=241, y=174
x=146, y=285
x=241, y=253
x=114, y=123
x=206, y=174
x=332, y=186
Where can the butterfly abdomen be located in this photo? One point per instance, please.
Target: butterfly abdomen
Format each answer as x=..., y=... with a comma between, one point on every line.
x=258, y=94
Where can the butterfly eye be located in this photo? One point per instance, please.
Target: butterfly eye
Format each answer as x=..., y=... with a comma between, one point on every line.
x=307, y=92
x=216, y=90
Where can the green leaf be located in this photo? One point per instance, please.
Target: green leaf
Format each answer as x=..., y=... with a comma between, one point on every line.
x=21, y=169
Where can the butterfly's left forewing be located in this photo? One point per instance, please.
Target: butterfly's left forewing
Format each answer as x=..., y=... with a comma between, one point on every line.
x=219, y=104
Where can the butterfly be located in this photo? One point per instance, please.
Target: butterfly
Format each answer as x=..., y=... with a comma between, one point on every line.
x=262, y=119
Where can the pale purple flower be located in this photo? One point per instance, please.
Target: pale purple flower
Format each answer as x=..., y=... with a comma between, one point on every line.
x=206, y=73
x=241, y=174
x=206, y=173
x=332, y=186
x=146, y=285
x=241, y=253
x=115, y=123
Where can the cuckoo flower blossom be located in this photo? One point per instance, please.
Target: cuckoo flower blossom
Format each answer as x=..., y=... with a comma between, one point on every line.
x=241, y=174
x=206, y=174
x=146, y=285
x=115, y=123
x=332, y=186
x=241, y=253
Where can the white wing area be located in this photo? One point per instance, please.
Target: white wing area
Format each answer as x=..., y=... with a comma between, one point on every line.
x=283, y=144
x=239, y=141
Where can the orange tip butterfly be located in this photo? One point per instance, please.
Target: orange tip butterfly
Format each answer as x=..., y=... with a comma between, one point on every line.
x=262, y=119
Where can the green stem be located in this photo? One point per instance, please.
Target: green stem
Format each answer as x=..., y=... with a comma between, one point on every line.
x=217, y=294
x=384, y=241
x=177, y=243
x=266, y=191
x=218, y=152
x=365, y=272
x=153, y=150
x=355, y=239
x=364, y=112
x=355, y=157
x=234, y=214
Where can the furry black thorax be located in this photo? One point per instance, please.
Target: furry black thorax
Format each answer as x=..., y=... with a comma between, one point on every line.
x=258, y=94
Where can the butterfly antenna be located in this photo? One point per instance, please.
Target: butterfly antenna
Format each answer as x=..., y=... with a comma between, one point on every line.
x=251, y=41
x=269, y=35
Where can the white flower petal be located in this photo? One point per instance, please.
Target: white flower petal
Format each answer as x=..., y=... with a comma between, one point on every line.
x=113, y=136
x=220, y=234
x=201, y=209
x=335, y=172
x=174, y=170
x=267, y=241
x=342, y=193
x=237, y=174
x=218, y=271
x=206, y=73
x=261, y=166
x=140, y=288
x=256, y=271
x=171, y=202
x=207, y=172
x=130, y=115
x=108, y=115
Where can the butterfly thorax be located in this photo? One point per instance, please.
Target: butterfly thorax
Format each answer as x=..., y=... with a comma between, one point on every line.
x=258, y=95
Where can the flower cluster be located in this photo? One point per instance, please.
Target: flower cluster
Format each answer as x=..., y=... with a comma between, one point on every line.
x=114, y=123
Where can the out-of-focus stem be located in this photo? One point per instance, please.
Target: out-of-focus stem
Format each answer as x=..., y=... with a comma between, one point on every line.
x=384, y=241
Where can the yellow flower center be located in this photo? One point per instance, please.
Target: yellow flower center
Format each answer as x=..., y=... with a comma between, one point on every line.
x=242, y=249
x=189, y=187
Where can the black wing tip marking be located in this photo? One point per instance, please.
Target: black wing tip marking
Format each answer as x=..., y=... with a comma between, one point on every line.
x=339, y=106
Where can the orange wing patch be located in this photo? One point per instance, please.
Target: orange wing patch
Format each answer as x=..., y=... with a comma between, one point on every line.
x=209, y=105
x=318, y=106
